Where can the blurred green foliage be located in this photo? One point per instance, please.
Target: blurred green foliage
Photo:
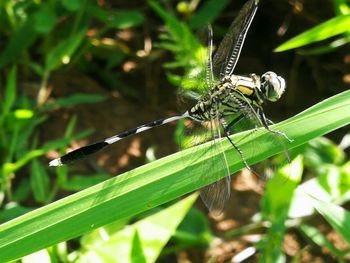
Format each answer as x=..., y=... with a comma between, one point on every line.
x=336, y=27
x=289, y=204
x=39, y=38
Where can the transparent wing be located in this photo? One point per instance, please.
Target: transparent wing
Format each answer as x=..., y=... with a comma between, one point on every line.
x=227, y=55
x=199, y=76
x=196, y=84
x=208, y=59
x=216, y=195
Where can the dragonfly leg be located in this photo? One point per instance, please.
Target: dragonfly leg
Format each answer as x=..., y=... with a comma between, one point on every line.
x=231, y=124
x=227, y=135
x=266, y=122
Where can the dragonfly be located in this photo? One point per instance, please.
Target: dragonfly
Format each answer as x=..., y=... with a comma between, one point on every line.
x=227, y=100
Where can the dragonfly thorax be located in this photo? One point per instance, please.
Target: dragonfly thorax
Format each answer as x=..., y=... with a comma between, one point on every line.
x=226, y=95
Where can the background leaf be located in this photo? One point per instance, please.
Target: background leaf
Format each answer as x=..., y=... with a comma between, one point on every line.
x=330, y=28
x=44, y=19
x=126, y=19
x=78, y=98
x=21, y=39
x=336, y=216
x=64, y=50
x=207, y=13
x=10, y=92
x=142, y=241
x=318, y=238
x=39, y=181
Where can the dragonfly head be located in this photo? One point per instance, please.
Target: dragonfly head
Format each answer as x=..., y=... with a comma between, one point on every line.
x=272, y=86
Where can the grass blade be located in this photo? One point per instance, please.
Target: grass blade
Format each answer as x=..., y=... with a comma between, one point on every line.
x=330, y=28
x=336, y=216
x=154, y=184
x=142, y=241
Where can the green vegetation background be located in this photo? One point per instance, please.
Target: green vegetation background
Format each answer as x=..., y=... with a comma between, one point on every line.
x=53, y=54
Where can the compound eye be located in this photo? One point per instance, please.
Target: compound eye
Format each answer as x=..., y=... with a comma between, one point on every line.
x=272, y=86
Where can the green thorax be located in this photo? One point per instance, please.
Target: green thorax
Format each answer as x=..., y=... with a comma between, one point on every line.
x=227, y=95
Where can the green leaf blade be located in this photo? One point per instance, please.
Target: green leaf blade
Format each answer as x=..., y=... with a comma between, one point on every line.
x=39, y=182
x=127, y=19
x=64, y=50
x=155, y=183
x=330, y=28
x=207, y=13
x=336, y=216
x=318, y=238
x=44, y=19
x=10, y=92
x=20, y=40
